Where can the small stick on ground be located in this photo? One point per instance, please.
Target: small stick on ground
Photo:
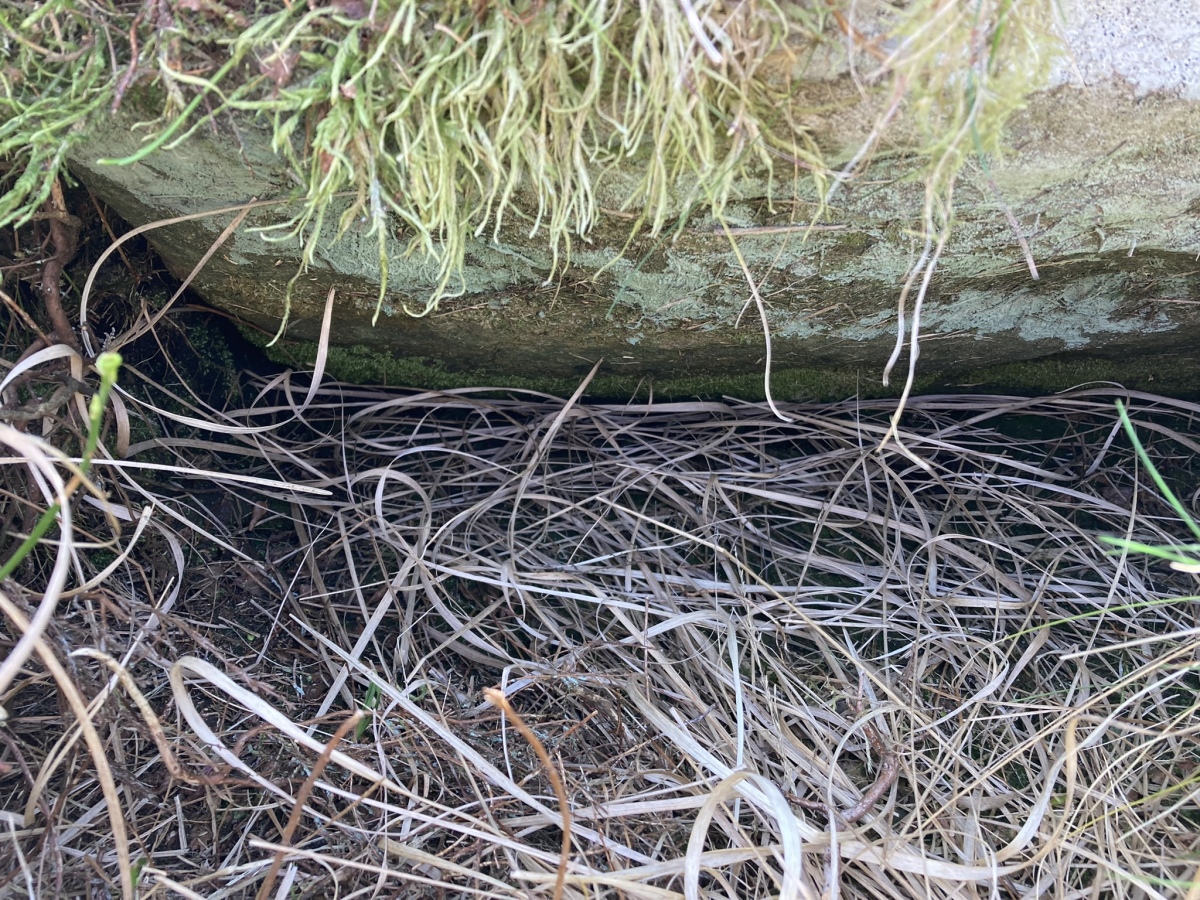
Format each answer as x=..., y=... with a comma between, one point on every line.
x=64, y=239
x=25, y=318
x=302, y=797
x=497, y=699
x=889, y=769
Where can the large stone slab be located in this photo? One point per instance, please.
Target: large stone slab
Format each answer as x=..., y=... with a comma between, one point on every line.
x=1102, y=181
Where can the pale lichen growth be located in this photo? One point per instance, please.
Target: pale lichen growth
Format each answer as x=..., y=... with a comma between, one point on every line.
x=447, y=121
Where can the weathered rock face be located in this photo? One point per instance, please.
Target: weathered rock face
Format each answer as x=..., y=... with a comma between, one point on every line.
x=1102, y=181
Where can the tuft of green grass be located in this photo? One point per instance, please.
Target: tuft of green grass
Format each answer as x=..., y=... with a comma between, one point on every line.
x=458, y=122
x=966, y=67
x=54, y=79
x=368, y=704
x=107, y=365
x=1182, y=557
x=440, y=122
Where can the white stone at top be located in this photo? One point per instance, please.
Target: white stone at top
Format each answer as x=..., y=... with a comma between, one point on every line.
x=1154, y=45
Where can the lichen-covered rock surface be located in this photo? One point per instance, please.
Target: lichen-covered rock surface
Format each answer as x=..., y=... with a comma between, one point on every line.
x=1100, y=179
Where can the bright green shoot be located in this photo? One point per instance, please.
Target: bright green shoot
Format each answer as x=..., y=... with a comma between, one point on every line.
x=370, y=702
x=1182, y=557
x=107, y=364
x=135, y=873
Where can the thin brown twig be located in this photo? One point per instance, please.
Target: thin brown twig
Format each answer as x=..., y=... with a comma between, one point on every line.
x=889, y=769
x=64, y=235
x=302, y=797
x=25, y=318
x=104, y=223
x=497, y=698
x=871, y=45
x=1016, y=228
x=127, y=78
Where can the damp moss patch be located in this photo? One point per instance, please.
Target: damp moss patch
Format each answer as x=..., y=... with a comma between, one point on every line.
x=1171, y=374
x=361, y=365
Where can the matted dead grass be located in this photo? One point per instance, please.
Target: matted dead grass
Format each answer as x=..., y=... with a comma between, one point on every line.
x=764, y=659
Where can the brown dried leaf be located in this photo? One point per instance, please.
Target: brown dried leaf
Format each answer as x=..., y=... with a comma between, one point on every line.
x=279, y=66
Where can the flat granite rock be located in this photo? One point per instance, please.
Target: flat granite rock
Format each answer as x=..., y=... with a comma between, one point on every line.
x=1102, y=180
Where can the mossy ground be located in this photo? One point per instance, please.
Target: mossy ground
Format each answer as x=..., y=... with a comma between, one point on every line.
x=1168, y=374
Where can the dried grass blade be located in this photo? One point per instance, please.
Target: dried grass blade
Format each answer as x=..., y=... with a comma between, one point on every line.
x=116, y=815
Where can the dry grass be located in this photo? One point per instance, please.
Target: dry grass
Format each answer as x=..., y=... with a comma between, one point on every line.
x=765, y=658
